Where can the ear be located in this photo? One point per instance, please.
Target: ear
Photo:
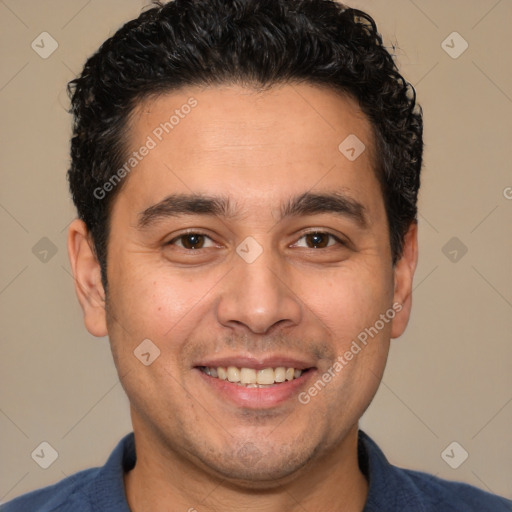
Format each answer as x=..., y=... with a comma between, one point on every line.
x=404, y=274
x=87, y=276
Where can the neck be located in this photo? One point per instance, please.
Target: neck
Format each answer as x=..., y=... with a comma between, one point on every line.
x=166, y=481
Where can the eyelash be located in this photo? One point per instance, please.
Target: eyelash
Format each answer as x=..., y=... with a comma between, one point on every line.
x=315, y=232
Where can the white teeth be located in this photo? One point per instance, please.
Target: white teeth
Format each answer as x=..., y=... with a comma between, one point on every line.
x=266, y=376
x=280, y=374
x=248, y=376
x=233, y=374
x=251, y=378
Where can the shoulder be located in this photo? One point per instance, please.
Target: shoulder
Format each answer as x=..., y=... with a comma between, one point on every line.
x=86, y=491
x=440, y=495
x=69, y=494
x=397, y=489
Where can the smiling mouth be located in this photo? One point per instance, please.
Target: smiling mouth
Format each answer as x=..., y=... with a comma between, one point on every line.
x=252, y=378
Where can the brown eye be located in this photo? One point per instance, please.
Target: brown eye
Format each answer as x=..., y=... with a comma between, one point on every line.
x=193, y=241
x=319, y=240
x=190, y=241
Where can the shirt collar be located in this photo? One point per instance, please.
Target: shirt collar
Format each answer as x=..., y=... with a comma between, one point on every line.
x=389, y=488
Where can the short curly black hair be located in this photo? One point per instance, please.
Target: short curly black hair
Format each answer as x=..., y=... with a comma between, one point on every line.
x=254, y=43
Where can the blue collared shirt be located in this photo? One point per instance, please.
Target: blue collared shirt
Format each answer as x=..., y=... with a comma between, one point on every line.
x=391, y=489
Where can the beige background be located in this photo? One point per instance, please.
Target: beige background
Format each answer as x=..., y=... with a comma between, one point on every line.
x=449, y=377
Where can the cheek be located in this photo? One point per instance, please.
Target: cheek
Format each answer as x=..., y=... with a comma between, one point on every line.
x=351, y=308
x=350, y=300
x=155, y=302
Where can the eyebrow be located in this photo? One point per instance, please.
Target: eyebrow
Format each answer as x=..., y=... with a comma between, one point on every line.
x=176, y=205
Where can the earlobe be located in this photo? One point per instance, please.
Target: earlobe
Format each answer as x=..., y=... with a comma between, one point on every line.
x=87, y=277
x=404, y=274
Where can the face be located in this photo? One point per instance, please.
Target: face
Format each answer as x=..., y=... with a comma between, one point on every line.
x=245, y=242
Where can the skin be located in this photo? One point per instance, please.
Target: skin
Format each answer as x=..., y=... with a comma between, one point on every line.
x=194, y=447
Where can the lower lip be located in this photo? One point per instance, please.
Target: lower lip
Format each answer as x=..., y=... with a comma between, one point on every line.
x=257, y=398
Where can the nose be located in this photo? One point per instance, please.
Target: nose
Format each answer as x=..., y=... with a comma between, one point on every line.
x=258, y=296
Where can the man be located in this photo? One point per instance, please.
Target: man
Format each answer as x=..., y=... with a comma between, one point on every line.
x=246, y=175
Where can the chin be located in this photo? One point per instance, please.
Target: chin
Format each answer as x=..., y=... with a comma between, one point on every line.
x=251, y=465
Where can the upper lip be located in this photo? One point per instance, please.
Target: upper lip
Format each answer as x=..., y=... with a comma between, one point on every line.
x=256, y=363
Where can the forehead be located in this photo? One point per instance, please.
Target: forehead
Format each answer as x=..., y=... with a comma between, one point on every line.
x=213, y=107
x=289, y=139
